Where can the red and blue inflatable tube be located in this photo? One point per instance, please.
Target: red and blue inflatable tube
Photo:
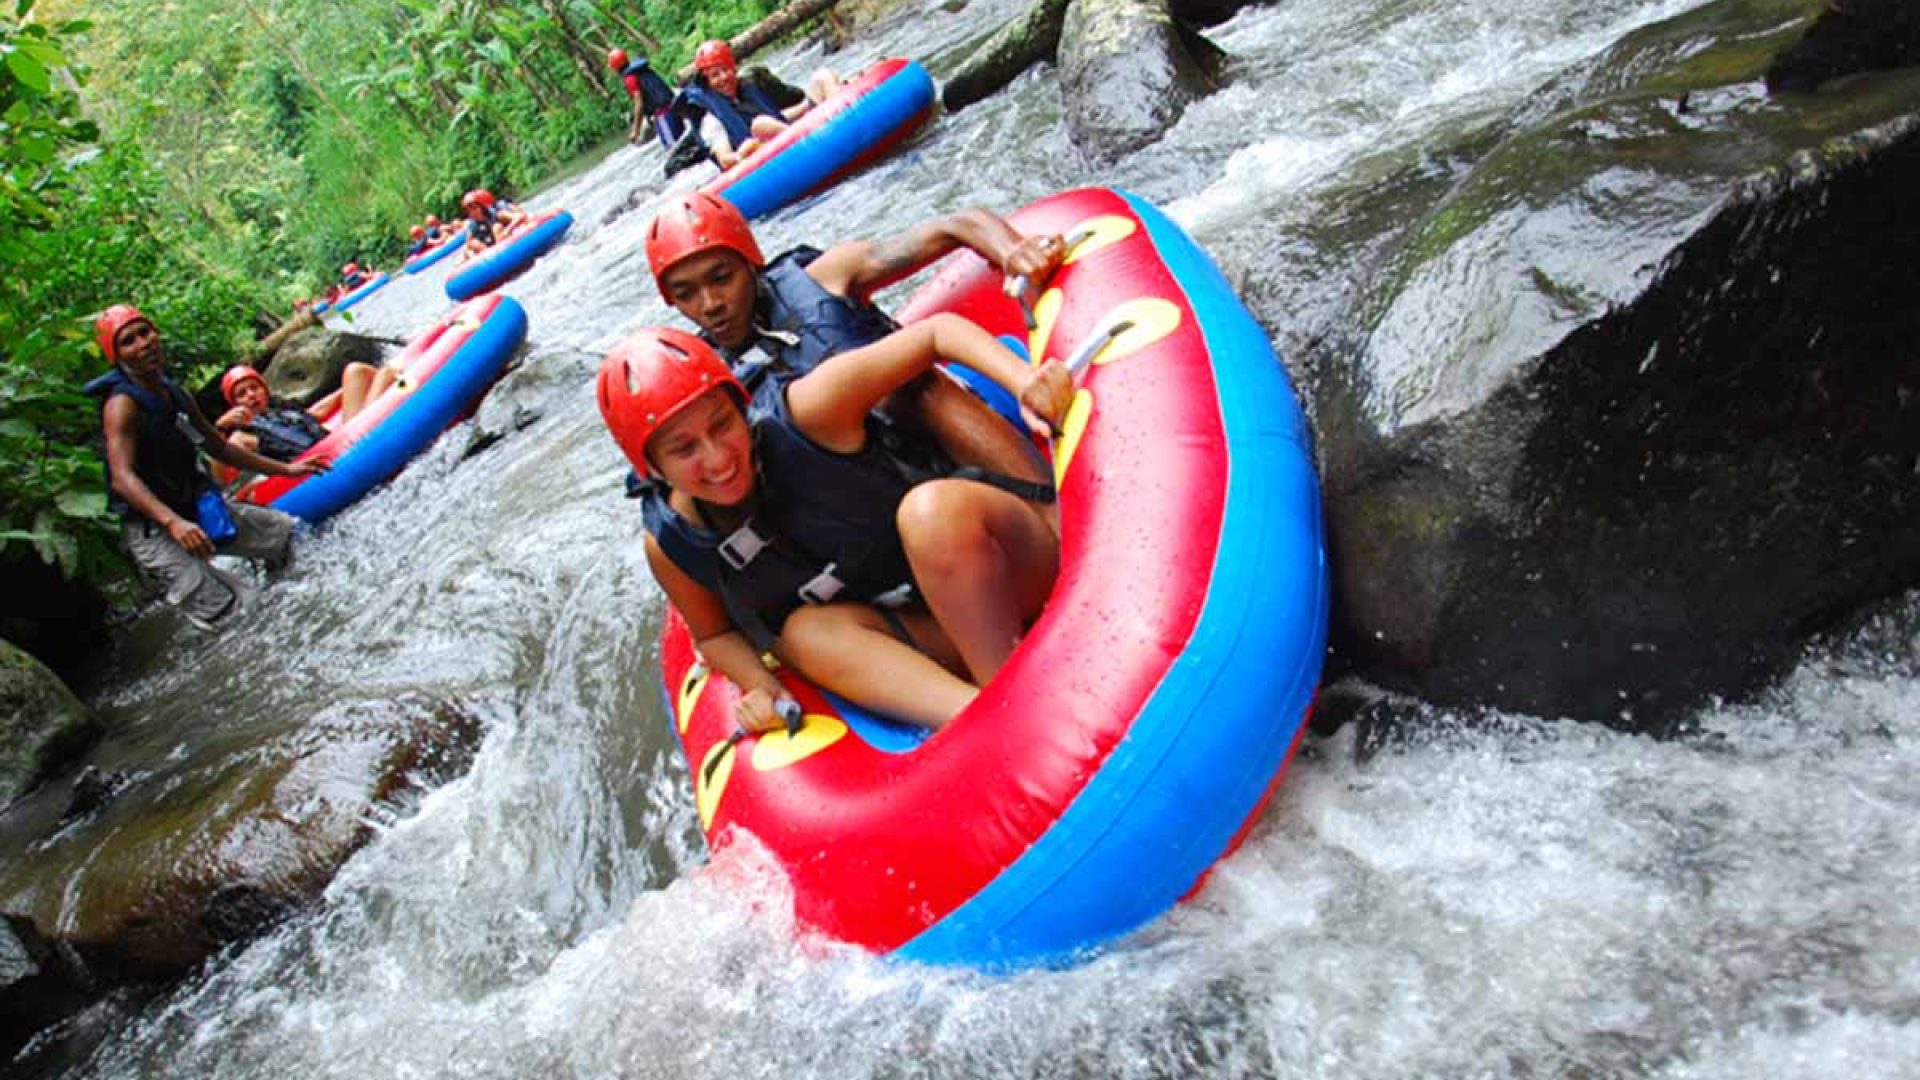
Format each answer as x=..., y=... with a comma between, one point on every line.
x=510, y=257
x=443, y=374
x=361, y=293
x=1137, y=731
x=872, y=113
x=434, y=254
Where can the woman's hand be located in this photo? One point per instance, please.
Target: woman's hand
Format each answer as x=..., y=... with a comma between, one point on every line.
x=234, y=419
x=758, y=711
x=1045, y=397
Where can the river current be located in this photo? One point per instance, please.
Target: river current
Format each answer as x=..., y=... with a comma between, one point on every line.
x=1501, y=896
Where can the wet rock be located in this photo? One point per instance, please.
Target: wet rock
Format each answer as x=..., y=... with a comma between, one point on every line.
x=158, y=878
x=1630, y=412
x=483, y=436
x=38, y=987
x=42, y=725
x=1128, y=72
x=1208, y=12
x=689, y=151
x=1016, y=47
x=94, y=788
x=1847, y=39
x=517, y=401
x=307, y=368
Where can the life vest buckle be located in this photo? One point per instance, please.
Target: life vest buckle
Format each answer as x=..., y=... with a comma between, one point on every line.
x=897, y=597
x=742, y=547
x=823, y=587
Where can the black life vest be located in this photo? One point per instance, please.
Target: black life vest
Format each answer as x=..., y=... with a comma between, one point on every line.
x=735, y=114
x=655, y=93
x=482, y=228
x=286, y=432
x=821, y=528
x=167, y=453
x=798, y=324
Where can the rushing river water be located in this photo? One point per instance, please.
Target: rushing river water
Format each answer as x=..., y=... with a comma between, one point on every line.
x=1503, y=897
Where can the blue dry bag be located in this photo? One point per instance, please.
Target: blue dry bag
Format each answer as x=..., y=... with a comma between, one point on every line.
x=215, y=520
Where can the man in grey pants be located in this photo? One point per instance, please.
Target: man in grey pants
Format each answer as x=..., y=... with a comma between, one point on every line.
x=154, y=433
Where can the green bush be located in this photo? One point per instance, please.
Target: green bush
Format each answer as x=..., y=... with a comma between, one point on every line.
x=254, y=149
x=76, y=221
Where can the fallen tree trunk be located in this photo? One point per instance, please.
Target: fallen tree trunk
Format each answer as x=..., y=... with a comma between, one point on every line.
x=756, y=37
x=1015, y=48
x=271, y=343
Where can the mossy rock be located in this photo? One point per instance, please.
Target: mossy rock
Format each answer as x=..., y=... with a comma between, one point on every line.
x=1620, y=410
x=42, y=725
x=307, y=368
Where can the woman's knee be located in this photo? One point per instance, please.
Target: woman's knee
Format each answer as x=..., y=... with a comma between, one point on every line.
x=813, y=638
x=938, y=514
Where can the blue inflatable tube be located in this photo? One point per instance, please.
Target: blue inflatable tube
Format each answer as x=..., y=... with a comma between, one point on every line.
x=1130, y=741
x=805, y=158
x=362, y=292
x=1248, y=659
x=434, y=255
x=432, y=407
x=509, y=259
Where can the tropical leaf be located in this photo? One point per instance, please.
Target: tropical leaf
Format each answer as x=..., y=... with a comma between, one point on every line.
x=29, y=71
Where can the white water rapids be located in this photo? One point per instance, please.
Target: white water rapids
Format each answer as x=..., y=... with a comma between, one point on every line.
x=1505, y=898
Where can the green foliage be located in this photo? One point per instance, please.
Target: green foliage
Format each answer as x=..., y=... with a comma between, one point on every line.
x=255, y=148
x=83, y=227
x=50, y=491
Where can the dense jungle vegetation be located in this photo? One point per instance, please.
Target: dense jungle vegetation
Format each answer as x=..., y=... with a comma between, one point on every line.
x=214, y=160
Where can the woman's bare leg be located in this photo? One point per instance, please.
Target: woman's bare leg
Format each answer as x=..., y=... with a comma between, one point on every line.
x=822, y=84
x=359, y=384
x=971, y=433
x=986, y=562
x=850, y=650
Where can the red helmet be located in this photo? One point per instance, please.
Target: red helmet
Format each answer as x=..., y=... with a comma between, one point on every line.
x=106, y=329
x=417, y=232
x=350, y=269
x=714, y=54
x=236, y=375
x=650, y=377
x=476, y=197
x=698, y=222
x=616, y=58
x=432, y=221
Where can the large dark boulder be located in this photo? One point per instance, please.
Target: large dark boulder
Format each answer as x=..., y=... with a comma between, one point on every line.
x=42, y=725
x=142, y=876
x=1631, y=410
x=1128, y=71
x=60, y=621
x=307, y=367
x=1847, y=39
